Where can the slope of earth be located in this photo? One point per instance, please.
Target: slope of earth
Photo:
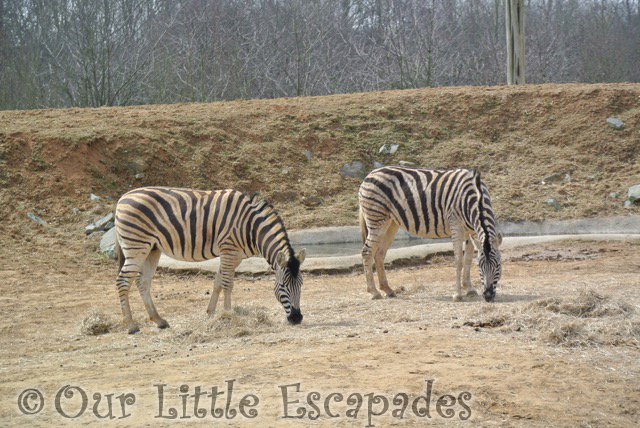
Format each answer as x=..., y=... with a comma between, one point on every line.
x=516, y=136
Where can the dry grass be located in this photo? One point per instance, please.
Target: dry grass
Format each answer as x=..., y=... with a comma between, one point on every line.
x=587, y=319
x=240, y=322
x=98, y=323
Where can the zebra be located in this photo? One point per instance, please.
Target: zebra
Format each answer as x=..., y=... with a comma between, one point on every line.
x=197, y=225
x=430, y=204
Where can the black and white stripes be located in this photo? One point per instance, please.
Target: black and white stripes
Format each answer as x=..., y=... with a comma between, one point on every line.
x=430, y=204
x=195, y=225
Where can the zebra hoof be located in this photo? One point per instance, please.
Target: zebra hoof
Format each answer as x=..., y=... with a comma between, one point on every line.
x=163, y=324
x=134, y=329
x=391, y=294
x=472, y=292
x=457, y=298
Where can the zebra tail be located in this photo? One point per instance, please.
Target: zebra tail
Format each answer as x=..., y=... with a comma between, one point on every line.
x=363, y=226
x=119, y=255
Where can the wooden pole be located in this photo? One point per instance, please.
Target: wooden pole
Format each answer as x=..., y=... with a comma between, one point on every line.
x=514, y=19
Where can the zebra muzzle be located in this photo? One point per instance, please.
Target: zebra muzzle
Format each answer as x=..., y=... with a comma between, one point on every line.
x=295, y=317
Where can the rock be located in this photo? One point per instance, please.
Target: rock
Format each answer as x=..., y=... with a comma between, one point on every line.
x=627, y=204
x=634, y=193
x=312, y=201
x=95, y=197
x=139, y=175
x=100, y=224
x=37, y=219
x=105, y=223
x=285, y=171
x=615, y=123
x=108, y=243
x=286, y=196
x=613, y=195
x=75, y=211
x=406, y=163
x=389, y=149
x=377, y=165
x=136, y=166
x=556, y=178
x=308, y=155
x=355, y=169
x=553, y=203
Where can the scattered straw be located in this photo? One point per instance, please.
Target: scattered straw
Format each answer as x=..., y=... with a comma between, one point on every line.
x=239, y=322
x=97, y=323
x=586, y=319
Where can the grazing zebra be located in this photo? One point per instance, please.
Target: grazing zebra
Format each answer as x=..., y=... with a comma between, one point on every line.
x=195, y=225
x=430, y=204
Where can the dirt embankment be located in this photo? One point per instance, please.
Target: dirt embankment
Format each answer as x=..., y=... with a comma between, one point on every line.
x=52, y=159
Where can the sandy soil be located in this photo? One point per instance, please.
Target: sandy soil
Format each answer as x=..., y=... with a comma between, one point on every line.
x=347, y=344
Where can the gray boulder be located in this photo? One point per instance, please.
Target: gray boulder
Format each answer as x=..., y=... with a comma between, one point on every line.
x=553, y=203
x=615, y=123
x=37, y=219
x=355, y=169
x=308, y=155
x=557, y=178
x=389, y=149
x=108, y=243
x=105, y=223
x=312, y=201
x=634, y=193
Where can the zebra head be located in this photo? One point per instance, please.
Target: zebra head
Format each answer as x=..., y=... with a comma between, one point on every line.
x=289, y=284
x=490, y=264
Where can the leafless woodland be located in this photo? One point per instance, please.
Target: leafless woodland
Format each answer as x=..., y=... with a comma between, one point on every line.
x=90, y=53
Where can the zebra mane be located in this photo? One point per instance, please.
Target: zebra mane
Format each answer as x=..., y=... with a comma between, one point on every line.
x=269, y=212
x=486, y=245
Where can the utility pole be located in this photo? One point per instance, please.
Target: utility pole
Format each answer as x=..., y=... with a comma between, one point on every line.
x=514, y=19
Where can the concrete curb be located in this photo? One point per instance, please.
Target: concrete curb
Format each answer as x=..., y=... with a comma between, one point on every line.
x=395, y=257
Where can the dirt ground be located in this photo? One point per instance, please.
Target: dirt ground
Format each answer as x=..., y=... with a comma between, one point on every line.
x=561, y=367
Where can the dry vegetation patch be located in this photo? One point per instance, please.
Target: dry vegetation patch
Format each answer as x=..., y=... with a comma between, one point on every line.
x=586, y=319
x=239, y=322
x=98, y=323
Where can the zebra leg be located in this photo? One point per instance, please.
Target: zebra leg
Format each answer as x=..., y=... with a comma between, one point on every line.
x=144, y=287
x=387, y=239
x=467, y=288
x=127, y=275
x=224, y=281
x=456, y=237
x=370, y=247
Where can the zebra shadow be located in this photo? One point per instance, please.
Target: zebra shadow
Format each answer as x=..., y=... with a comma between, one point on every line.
x=501, y=298
x=324, y=324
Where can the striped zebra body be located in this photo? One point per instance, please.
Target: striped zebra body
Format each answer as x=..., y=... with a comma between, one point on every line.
x=430, y=204
x=196, y=225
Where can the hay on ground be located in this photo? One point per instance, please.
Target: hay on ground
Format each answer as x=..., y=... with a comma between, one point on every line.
x=239, y=322
x=587, y=319
x=97, y=323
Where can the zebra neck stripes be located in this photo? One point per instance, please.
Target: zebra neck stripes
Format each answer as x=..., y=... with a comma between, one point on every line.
x=269, y=236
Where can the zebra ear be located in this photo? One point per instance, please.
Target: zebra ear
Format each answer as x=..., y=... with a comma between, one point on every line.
x=301, y=255
x=281, y=259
